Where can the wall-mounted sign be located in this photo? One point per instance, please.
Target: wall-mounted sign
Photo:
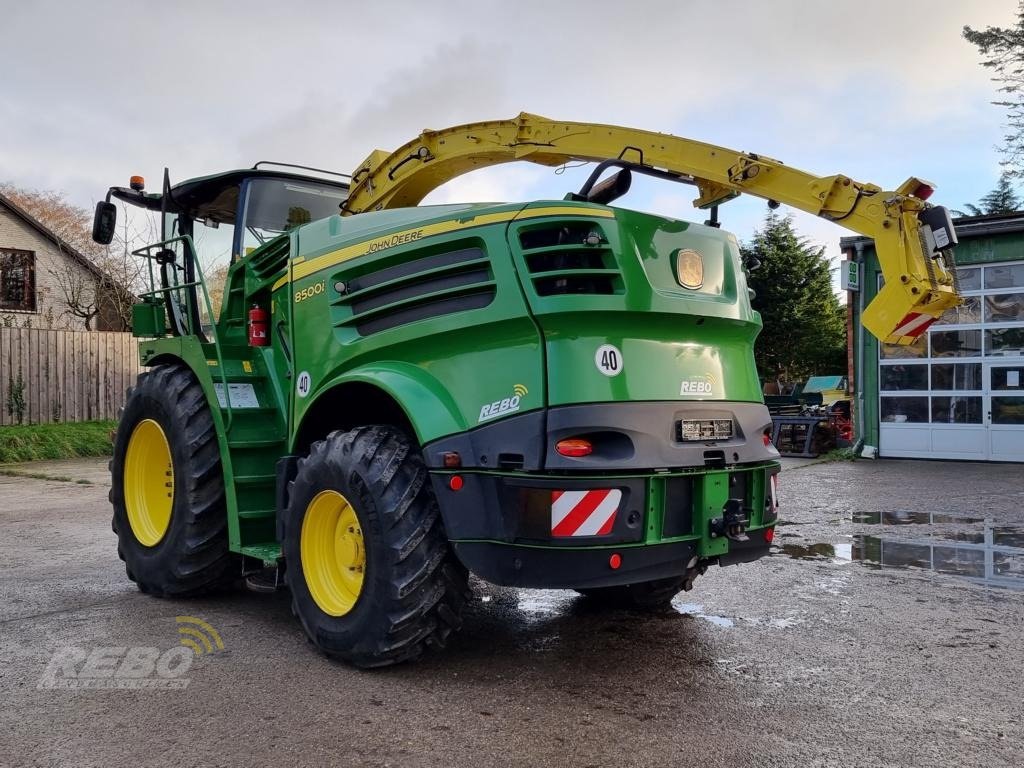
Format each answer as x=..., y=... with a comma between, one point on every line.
x=849, y=275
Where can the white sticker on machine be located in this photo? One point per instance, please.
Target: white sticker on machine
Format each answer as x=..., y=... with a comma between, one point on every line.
x=303, y=384
x=241, y=395
x=608, y=360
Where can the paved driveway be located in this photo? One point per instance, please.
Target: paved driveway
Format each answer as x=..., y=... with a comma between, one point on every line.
x=831, y=652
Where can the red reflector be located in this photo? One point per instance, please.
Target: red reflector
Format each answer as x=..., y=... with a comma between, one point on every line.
x=575, y=447
x=914, y=324
x=455, y=482
x=615, y=561
x=589, y=512
x=769, y=534
x=923, y=192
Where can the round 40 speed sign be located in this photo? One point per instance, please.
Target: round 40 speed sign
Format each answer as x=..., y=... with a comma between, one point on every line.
x=303, y=384
x=608, y=360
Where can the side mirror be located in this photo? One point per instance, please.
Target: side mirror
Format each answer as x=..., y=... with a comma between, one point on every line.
x=612, y=188
x=104, y=222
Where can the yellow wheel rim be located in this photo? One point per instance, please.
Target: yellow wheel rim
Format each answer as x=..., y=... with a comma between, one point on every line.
x=148, y=483
x=333, y=553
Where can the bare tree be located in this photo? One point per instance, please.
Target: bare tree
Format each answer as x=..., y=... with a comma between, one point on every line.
x=79, y=291
x=109, y=289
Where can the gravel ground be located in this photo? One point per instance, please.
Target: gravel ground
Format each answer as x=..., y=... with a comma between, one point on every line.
x=830, y=652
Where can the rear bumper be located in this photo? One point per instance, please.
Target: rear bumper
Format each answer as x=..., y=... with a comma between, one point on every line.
x=627, y=437
x=514, y=529
x=556, y=568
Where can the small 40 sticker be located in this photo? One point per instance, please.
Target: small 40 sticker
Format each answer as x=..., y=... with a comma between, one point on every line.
x=303, y=384
x=608, y=360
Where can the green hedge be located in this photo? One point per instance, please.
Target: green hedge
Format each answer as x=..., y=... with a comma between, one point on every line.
x=55, y=441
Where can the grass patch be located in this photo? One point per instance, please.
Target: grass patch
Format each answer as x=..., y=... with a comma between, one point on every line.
x=839, y=454
x=55, y=441
x=7, y=472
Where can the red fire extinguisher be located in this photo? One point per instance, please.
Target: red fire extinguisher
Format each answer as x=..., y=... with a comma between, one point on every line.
x=259, y=318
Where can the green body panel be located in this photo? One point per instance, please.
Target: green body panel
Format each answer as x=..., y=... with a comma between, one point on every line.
x=523, y=347
x=667, y=334
x=441, y=370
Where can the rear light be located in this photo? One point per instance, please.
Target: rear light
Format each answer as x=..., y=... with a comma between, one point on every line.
x=574, y=447
x=451, y=459
x=924, y=191
x=766, y=438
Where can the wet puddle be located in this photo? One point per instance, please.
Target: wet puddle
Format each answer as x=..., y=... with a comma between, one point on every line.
x=537, y=605
x=971, y=547
x=697, y=611
x=907, y=517
x=838, y=552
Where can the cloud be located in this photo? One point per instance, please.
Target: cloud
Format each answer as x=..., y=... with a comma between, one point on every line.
x=879, y=90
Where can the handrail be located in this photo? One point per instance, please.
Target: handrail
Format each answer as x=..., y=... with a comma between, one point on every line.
x=190, y=249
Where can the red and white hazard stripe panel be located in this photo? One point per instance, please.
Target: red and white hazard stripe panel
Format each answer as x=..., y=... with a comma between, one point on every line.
x=775, y=492
x=584, y=513
x=914, y=324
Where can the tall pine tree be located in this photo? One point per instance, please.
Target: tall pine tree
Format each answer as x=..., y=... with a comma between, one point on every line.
x=1002, y=199
x=1002, y=50
x=804, y=324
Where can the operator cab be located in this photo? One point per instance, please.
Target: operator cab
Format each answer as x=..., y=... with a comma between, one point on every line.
x=266, y=202
x=226, y=217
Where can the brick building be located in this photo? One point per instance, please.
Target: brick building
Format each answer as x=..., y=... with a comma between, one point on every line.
x=38, y=271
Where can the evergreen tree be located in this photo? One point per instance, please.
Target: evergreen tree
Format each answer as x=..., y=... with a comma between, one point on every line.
x=804, y=324
x=1002, y=199
x=1002, y=50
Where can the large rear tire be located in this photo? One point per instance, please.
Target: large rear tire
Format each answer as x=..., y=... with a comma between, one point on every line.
x=373, y=579
x=167, y=487
x=645, y=596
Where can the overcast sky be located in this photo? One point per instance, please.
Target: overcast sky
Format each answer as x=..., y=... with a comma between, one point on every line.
x=880, y=90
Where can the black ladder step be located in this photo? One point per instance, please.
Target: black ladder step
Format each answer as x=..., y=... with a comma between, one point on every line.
x=255, y=480
x=255, y=514
x=246, y=443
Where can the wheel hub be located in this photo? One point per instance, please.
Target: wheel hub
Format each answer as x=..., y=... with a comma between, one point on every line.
x=333, y=553
x=148, y=483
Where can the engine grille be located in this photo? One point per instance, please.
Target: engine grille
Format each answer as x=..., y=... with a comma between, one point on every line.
x=431, y=286
x=570, y=257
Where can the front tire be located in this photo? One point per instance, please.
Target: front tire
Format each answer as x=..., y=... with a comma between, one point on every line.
x=373, y=579
x=167, y=487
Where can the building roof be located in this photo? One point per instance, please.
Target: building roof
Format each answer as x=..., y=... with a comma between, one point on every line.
x=966, y=226
x=63, y=245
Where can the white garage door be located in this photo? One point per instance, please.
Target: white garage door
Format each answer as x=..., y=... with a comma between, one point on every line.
x=958, y=393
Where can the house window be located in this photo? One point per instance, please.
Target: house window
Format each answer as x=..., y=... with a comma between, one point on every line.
x=17, y=280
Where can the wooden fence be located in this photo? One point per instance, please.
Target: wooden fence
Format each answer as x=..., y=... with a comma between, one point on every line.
x=65, y=375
